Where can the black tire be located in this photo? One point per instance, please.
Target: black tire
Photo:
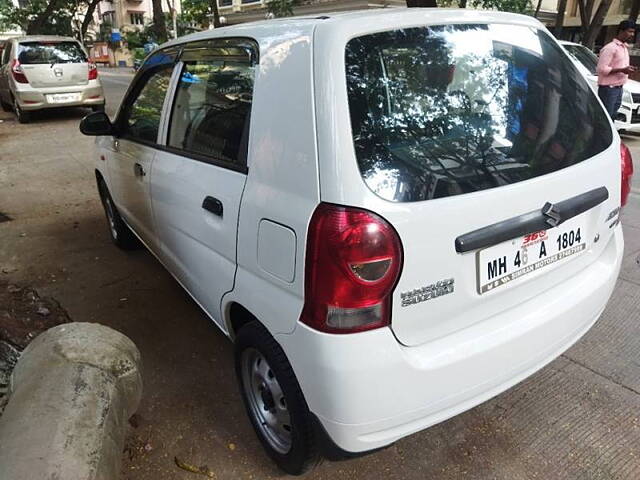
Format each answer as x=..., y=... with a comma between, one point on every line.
x=5, y=106
x=119, y=231
x=21, y=115
x=98, y=108
x=304, y=451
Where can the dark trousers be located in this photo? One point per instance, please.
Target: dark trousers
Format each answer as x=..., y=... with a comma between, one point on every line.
x=612, y=99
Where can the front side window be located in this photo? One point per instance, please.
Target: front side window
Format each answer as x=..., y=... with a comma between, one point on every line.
x=213, y=100
x=30, y=53
x=142, y=116
x=446, y=110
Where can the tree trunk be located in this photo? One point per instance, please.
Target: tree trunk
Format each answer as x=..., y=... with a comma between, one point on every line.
x=422, y=3
x=635, y=10
x=535, y=15
x=159, y=25
x=562, y=6
x=584, y=18
x=88, y=16
x=463, y=3
x=213, y=5
x=34, y=27
x=596, y=23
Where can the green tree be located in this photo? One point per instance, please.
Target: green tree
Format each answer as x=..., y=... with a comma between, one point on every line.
x=200, y=12
x=281, y=8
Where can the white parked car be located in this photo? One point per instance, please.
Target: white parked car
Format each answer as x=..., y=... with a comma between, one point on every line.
x=628, y=116
x=38, y=72
x=391, y=213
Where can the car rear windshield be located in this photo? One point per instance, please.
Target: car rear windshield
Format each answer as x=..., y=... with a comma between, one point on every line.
x=447, y=110
x=50, y=52
x=585, y=56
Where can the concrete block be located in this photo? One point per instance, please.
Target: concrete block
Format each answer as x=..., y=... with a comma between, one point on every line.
x=71, y=394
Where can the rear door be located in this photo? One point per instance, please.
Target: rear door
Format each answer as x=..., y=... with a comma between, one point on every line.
x=474, y=141
x=53, y=63
x=199, y=177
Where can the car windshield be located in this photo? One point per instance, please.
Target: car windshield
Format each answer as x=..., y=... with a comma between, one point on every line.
x=50, y=52
x=448, y=110
x=585, y=56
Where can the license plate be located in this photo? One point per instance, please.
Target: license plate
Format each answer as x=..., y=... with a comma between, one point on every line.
x=524, y=256
x=63, y=97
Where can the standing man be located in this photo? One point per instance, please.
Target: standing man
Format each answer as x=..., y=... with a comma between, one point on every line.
x=613, y=67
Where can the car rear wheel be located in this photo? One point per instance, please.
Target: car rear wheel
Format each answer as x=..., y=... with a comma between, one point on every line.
x=274, y=401
x=21, y=115
x=120, y=233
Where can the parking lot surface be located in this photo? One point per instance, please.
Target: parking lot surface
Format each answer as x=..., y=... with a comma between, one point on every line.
x=578, y=418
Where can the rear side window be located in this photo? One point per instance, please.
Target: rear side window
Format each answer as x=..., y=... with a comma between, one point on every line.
x=212, y=106
x=50, y=52
x=448, y=110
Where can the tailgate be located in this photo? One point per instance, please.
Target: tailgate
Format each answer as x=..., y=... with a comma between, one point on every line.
x=486, y=150
x=53, y=64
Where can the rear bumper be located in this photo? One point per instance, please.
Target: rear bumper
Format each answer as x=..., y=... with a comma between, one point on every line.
x=368, y=390
x=30, y=98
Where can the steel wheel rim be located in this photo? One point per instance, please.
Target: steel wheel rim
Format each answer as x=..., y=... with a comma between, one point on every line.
x=110, y=217
x=266, y=400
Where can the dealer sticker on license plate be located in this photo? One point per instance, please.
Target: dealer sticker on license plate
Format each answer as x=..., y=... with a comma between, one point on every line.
x=514, y=259
x=63, y=97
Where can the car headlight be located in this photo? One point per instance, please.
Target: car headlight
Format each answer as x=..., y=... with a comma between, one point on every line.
x=626, y=96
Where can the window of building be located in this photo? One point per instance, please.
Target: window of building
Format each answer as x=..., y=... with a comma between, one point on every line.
x=225, y=3
x=213, y=102
x=108, y=17
x=136, y=18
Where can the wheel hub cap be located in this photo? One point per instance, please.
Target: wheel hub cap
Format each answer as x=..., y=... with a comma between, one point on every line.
x=267, y=404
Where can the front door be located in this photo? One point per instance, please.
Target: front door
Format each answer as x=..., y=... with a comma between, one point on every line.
x=134, y=148
x=198, y=179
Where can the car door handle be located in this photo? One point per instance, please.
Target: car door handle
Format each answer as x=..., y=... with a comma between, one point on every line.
x=212, y=205
x=138, y=170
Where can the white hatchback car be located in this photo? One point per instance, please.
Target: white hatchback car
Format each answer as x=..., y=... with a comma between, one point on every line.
x=392, y=213
x=38, y=72
x=628, y=116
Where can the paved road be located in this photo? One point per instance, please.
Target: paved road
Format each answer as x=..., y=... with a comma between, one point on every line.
x=576, y=419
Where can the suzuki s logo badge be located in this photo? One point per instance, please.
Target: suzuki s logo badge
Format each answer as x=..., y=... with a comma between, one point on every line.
x=435, y=290
x=553, y=216
x=57, y=71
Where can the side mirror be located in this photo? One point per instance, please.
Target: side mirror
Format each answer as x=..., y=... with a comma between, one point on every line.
x=95, y=124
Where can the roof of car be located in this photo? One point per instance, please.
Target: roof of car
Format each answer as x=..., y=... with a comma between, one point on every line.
x=266, y=30
x=43, y=38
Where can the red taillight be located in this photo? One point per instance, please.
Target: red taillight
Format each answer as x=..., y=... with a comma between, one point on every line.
x=626, y=163
x=93, y=71
x=17, y=72
x=354, y=259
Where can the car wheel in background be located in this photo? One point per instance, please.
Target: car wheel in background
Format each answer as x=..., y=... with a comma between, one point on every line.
x=5, y=106
x=22, y=116
x=120, y=233
x=274, y=401
x=98, y=108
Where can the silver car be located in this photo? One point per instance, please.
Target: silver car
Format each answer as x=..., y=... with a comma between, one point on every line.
x=39, y=72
